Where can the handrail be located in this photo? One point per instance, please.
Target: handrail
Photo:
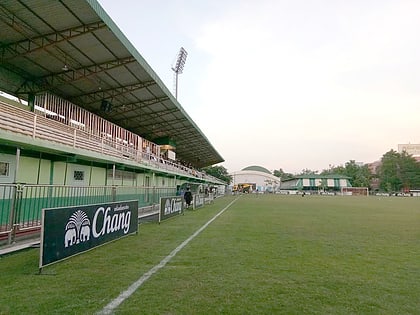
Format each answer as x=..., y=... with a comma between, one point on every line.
x=25, y=122
x=21, y=204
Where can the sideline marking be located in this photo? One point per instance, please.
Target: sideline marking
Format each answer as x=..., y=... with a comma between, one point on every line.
x=108, y=309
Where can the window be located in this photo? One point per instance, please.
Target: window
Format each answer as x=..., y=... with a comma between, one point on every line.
x=79, y=175
x=4, y=169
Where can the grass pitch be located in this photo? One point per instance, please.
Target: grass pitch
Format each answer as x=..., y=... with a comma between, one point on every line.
x=267, y=254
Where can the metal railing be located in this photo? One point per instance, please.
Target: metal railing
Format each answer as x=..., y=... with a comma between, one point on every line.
x=39, y=126
x=21, y=205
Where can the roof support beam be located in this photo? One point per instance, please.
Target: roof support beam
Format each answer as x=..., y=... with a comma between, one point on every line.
x=52, y=81
x=14, y=22
x=94, y=97
x=151, y=121
x=139, y=106
x=25, y=47
x=73, y=75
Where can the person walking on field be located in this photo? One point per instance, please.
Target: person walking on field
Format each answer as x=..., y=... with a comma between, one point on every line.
x=188, y=197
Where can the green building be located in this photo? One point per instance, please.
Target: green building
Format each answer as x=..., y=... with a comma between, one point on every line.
x=316, y=183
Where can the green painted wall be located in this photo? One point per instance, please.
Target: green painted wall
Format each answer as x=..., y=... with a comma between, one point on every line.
x=128, y=181
x=45, y=172
x=117, y=181
x=29, y=169
x=140, y=179
x=25, y=164
x=98, y=176
x=59, y=173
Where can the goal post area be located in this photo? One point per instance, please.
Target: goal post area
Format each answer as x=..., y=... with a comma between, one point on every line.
x=355, y=191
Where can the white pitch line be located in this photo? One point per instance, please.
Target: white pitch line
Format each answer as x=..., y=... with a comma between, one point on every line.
x=108, y=309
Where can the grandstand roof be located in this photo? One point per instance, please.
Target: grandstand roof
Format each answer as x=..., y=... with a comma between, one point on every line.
x=322, y=176
x=73, y=49
x=256, y=169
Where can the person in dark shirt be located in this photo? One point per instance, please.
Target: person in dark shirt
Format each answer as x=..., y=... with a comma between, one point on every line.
x=188, y=197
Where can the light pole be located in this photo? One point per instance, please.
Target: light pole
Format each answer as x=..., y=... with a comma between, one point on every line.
x=178, y=67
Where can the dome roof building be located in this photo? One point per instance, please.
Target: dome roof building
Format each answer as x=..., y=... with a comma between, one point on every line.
x=256, y=169
x=255, y=178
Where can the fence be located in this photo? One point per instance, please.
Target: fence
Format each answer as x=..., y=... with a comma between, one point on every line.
x=21, y=205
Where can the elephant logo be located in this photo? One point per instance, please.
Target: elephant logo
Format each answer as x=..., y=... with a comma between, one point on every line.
x=167, y=207
x=77, y=229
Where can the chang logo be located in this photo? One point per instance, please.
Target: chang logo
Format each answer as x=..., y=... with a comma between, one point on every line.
x=77, y=229
x=173, y=205
x=167, y=207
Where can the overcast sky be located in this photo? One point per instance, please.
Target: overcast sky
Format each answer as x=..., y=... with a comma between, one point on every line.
x=287, y=84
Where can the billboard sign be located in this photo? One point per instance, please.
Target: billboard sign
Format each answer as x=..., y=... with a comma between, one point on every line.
x=68, y=231
x=170, y=206
x=412, y=149
x=198, y=201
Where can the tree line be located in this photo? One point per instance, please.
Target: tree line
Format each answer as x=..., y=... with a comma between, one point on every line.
x=396, y=172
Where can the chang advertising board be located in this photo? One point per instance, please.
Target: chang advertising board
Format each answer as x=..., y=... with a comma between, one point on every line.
x=69, y=231
x=170, y=206
x=198, y=201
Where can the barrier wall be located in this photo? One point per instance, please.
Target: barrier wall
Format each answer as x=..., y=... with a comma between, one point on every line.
x=21, y=205
x=68, y=231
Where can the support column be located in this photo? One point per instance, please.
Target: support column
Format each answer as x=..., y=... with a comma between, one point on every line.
x=31, y=101
x=17, y=165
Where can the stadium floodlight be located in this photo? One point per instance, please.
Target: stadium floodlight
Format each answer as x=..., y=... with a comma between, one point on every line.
x=178, y=67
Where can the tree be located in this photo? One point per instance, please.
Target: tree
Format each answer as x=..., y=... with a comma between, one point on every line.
x=340, y=170
x=410, y=171
x=389, y=172
x=398, y=171
x=219, y=172
x=283, y=176
x=307, y=171
x=360, y=175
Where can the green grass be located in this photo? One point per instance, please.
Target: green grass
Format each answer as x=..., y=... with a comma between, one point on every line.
x=267, y=254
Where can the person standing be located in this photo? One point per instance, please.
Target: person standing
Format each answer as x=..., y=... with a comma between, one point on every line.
x=188, y=197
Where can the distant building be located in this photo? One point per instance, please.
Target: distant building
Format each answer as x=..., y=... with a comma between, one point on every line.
x=255, y=178
x=373, y=167
x=412, y=149
x=313, y=182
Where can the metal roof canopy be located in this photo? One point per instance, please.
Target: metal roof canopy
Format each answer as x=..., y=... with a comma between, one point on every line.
x=39, y=37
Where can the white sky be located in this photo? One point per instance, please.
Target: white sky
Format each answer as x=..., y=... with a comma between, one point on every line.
x=287, y=84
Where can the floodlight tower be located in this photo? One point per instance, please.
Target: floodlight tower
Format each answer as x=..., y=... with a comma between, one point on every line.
x=178, y=67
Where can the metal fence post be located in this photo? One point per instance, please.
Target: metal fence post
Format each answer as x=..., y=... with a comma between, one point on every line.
x=14, y=212
x=114, y=193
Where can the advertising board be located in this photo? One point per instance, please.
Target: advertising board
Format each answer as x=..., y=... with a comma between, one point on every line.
x=68, y=231
x=170, y=206
x=198, y=201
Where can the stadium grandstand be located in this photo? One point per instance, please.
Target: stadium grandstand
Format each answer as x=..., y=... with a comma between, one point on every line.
x=84, y=118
